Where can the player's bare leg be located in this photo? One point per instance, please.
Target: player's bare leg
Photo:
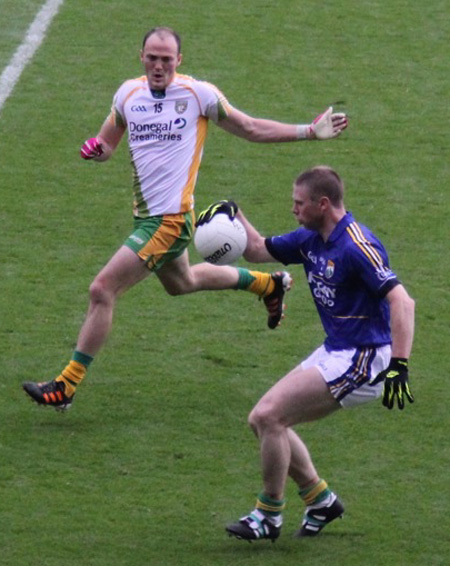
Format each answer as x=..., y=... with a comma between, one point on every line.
x=301, y=396
x=122, y=271
x=179, y=277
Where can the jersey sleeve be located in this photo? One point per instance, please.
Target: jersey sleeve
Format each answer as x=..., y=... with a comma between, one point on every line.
x=369, y=259
x=214, y=104
x=117, y=114
x=288, y=248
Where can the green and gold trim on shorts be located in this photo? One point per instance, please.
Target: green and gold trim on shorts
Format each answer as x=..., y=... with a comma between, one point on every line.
x=159, y=239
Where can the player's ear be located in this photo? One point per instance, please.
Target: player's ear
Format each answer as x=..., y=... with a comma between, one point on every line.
x=324, y=203
x=179, y=59
x=141, y=56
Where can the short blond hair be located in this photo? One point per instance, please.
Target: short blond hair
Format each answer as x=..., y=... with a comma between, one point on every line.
x=322, y=181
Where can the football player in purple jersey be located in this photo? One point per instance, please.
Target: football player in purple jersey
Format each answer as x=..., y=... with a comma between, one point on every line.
x=368, y=318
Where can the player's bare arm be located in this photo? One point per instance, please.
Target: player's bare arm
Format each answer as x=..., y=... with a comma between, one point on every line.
x=260, y=130
x=395, y=376
x=104, y=144
x=256, y=250
x=402, y=321
x=109, y=136
x=257, y=129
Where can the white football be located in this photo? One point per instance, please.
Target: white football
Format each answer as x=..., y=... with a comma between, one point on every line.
x=221, y=241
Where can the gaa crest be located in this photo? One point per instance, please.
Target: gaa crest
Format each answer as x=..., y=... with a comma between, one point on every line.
x=329, y=270
x=181, y=106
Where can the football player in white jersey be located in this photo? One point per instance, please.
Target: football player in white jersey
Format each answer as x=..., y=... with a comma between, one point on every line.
x=166, y=116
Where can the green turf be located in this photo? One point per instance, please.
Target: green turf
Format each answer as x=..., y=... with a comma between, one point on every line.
x=155, y=456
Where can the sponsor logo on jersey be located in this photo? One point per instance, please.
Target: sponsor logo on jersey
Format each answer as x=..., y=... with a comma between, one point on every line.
x=312, y=257
x=181, y=106
x=180, y=123
x=322, y=293
x=156, y=131
x=158, y=127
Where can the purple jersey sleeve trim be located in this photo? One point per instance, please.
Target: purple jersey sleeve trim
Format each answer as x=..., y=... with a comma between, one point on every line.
x=389, y=285
x=271, y=249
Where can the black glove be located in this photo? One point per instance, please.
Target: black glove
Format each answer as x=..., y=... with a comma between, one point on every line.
x=395, y=378
x=228, y=207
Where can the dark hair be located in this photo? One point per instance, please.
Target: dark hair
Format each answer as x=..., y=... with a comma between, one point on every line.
x=161, y=31
x=322, y=181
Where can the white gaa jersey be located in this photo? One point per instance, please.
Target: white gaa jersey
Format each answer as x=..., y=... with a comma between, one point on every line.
x=166, y=134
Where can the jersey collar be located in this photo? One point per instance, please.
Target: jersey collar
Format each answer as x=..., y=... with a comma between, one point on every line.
x=340, y=227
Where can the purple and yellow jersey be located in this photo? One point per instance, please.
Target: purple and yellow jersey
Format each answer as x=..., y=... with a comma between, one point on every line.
x=349, y=277
x=166, y=134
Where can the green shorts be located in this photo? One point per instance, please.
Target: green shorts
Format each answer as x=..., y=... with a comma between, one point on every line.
x=159, y=239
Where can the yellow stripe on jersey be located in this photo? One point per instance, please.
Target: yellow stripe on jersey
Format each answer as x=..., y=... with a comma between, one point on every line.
x=366, y=247
x=188, y=190
x=202, y=128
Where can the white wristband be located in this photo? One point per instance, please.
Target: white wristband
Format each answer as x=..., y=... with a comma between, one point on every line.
x=303, y=132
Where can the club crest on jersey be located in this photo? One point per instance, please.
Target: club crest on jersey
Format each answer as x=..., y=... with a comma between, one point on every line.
x=181, y=106
x=329, y=270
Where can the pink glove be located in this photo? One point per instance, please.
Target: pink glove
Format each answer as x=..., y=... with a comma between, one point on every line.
x=91, y=148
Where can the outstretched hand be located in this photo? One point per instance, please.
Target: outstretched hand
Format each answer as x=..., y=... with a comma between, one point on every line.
x=328, y=125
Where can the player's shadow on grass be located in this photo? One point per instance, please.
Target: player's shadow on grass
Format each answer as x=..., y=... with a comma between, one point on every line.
x=288, y=543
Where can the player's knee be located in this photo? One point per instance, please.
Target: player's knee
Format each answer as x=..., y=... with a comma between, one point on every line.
x=99, y=292
x=252, y=424
x=175, y=288
x=263, y=417
x=178, y=285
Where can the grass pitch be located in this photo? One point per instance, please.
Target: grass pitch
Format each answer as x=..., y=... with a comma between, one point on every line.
x=155, y=456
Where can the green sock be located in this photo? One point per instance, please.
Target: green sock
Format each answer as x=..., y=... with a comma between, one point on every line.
x=269, y=506
x=84, y=359
x=245, y=278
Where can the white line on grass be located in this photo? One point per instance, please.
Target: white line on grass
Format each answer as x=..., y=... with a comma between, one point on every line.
x=33, y=39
